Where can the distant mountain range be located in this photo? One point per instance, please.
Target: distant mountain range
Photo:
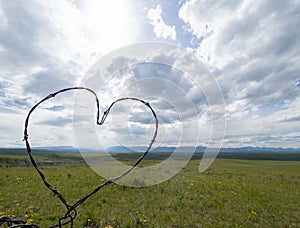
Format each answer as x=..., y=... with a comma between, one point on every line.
x=57, y=148
x=162, y=153
x=123, y=149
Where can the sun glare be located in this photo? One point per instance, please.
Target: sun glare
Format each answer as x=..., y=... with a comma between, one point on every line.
x=112, y=20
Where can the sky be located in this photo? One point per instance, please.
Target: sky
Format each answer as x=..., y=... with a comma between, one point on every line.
x=250, y=48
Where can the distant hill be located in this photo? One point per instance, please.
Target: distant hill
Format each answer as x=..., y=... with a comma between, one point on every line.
x=44, y=148
x=258, y=149
x=123, y=149
x=17, y=156
x=57, y=148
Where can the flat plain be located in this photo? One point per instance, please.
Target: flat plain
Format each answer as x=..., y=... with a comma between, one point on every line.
x=231, y=193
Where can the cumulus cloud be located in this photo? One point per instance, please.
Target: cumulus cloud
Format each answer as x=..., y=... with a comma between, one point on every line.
x=49, y=80
x=263, y=140
x=172, y=92
x=252, y=49
x=45, y=47
x=160, y=28
x=250, y=44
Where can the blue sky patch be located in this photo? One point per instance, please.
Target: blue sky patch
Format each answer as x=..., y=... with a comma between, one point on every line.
x=56, y=108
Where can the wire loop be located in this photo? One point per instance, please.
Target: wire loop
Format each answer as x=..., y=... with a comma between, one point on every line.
x=71, y=213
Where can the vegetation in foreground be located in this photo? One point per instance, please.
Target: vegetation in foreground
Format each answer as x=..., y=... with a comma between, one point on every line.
x=231, y=193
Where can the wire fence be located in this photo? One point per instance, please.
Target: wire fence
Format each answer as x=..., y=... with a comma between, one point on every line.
x=71, y=212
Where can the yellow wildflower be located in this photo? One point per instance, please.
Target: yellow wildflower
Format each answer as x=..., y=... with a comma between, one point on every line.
x=2, y=213
x=253, y=212
x=29, y=221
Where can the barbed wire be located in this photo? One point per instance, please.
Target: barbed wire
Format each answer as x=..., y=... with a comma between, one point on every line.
x=70, y=215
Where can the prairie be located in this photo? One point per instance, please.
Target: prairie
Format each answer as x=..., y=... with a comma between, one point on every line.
x=231, y=193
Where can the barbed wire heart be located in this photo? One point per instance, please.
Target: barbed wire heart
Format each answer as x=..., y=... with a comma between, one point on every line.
x=71, y=213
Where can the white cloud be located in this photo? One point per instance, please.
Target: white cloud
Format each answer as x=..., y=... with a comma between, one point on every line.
x=203, y=17
x=160, y=28
x=263, y=140
x=3, y=21
x=252, y=49
x=45, y=47
x=171, y=91
x=290, y=113
x=44, y=36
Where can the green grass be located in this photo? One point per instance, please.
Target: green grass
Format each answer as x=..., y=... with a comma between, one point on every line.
x=231, y=193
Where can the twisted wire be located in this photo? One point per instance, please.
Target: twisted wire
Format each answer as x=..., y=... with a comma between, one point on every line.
x=71, y=213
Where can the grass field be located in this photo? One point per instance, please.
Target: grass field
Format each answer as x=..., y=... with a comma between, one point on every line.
x=231, y=193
